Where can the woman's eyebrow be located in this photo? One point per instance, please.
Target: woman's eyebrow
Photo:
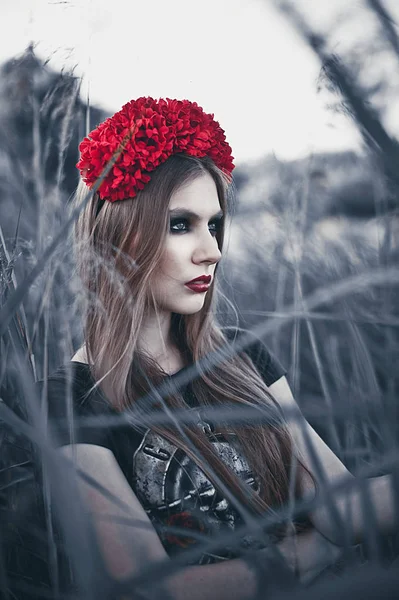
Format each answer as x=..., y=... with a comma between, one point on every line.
x=189, y=214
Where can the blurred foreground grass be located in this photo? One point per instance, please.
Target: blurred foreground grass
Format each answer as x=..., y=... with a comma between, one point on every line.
x=301, y=228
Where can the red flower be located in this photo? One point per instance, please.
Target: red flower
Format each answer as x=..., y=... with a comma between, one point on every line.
x=146, y=132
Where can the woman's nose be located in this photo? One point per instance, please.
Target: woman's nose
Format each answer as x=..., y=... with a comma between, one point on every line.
x=207, y=249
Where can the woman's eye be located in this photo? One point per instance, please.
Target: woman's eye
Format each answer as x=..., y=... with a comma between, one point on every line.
x=178, y=225
x=183, y=225
x=214, y=226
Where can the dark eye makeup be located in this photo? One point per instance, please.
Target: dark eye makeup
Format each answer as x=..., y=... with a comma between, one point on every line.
x=183, y=225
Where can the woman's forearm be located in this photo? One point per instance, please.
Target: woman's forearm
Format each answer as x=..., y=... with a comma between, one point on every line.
x=227, y=580
x=329, y=472
x=363, y=503
x=369, y=499
x=307, y=554
x=384, y=502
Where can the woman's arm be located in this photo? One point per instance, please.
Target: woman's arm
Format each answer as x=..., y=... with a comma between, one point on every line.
x=130, y=549
x=349, y=503
x=308, y=554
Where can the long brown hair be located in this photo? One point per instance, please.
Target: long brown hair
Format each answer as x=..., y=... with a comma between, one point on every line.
x=118, y=250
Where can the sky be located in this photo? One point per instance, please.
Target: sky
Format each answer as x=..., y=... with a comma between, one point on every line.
x=238, y=59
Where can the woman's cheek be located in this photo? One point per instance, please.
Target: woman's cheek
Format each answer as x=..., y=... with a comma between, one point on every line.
x=179, y=251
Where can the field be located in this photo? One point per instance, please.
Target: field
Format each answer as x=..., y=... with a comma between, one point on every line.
x=311, y=266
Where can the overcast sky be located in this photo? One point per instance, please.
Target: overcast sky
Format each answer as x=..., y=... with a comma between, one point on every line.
x=237, y=58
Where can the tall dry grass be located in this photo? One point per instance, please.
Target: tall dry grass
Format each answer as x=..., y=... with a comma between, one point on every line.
x=320, y=287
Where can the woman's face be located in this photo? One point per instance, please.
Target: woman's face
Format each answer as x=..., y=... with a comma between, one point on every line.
x=191, y=248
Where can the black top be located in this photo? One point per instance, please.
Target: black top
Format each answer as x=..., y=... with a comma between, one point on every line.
x=170, y=486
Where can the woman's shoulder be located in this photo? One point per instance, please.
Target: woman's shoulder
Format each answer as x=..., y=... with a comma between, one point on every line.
x=265, y=361
x=70, y=396
x=72, y=375
x=71, y=387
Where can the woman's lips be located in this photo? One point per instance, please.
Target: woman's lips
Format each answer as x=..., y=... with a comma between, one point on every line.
x=200, y=284
x=199, y=287
x=201, y=279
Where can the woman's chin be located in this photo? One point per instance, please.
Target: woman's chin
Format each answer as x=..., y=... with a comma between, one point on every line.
x=189, y=308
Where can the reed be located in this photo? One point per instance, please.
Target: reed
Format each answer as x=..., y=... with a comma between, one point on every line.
x=323, y=288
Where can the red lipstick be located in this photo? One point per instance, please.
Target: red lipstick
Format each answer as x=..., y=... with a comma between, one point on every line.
x=201, y=278
x=200, y=284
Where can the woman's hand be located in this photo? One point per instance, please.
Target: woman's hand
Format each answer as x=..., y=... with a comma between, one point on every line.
x=308, y=554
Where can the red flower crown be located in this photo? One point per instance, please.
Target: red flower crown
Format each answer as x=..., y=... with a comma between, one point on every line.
x=144, y=134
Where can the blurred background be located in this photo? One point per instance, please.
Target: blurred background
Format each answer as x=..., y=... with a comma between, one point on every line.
x=307, y=92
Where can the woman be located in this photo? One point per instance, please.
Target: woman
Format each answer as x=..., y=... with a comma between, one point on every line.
x=149, y=241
